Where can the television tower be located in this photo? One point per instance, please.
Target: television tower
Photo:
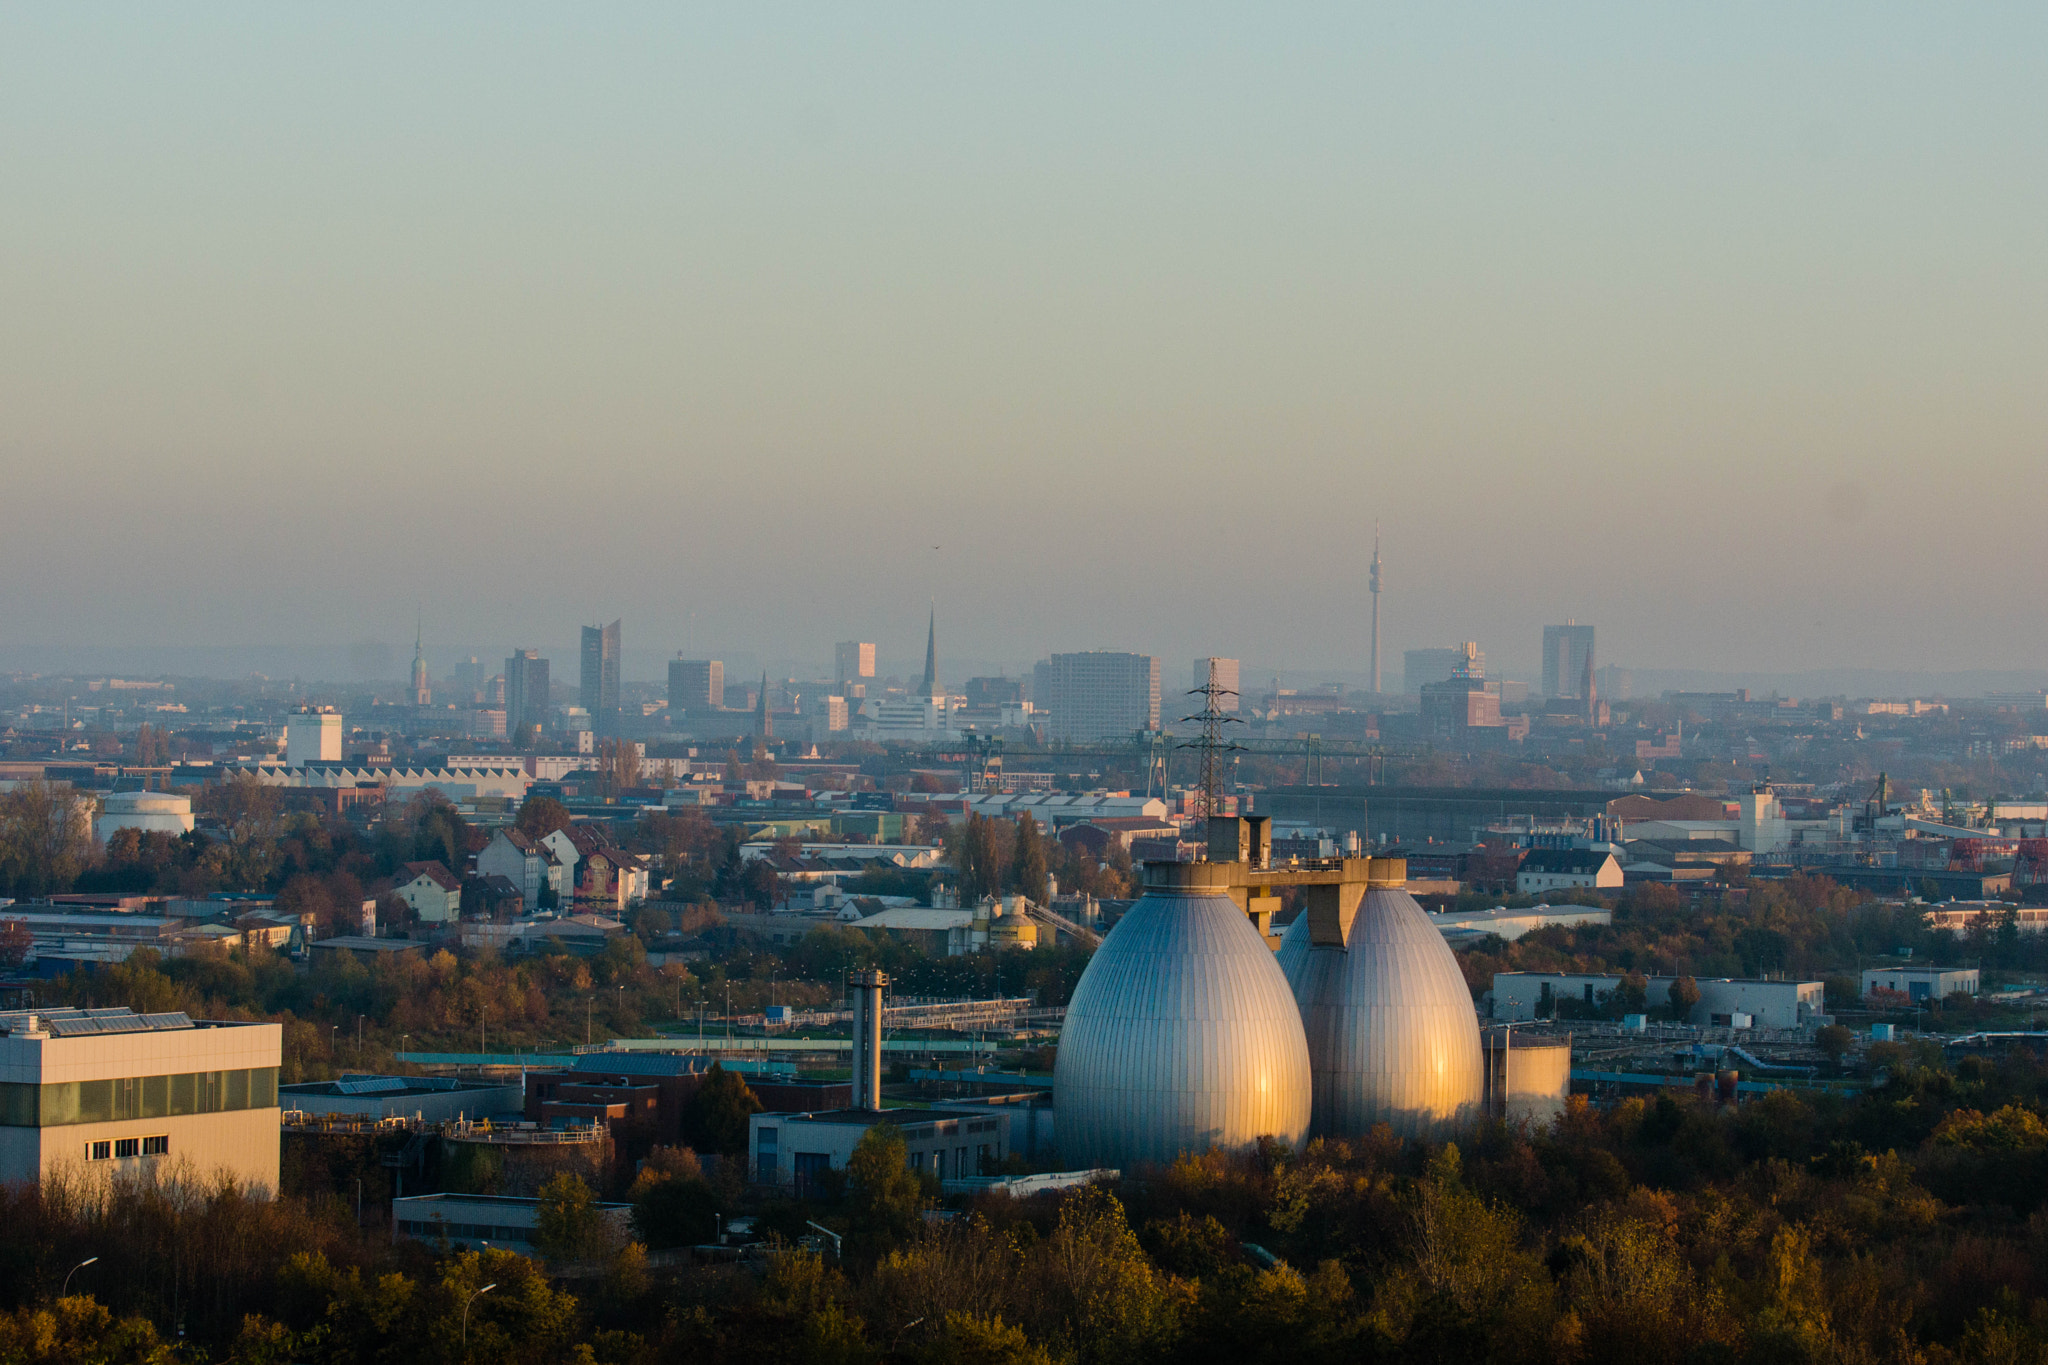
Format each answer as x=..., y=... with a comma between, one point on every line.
x=1375, y=608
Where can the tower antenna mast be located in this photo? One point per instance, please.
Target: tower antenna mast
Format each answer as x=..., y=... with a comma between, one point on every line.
x=1375, y=608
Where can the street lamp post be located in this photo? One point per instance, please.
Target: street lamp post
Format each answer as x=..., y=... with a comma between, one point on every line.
x=66, y=1291
x=465, y=1310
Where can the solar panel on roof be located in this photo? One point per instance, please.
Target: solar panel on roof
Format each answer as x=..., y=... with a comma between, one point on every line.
x=371, y=1085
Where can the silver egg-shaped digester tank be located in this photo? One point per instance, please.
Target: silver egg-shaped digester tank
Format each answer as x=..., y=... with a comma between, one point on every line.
x=1181, y=1035
x=1392, y=1034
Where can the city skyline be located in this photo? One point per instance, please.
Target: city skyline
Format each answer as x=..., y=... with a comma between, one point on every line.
x=1723, y=333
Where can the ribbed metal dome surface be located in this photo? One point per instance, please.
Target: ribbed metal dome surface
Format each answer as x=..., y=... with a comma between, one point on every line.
x=1392, y=1034
x=1181, y=1036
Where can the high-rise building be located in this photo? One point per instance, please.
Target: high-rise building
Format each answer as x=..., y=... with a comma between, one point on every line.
x=1099, y=694
x=695, y=685
x=1421, y=667
x=1455, y=706
x=526, y=695
x=1567, y=654
x=1226, y=678
x=764, y=718
x=600, y=692
x=854, y=661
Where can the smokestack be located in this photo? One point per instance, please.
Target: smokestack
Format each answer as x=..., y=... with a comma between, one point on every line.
x=866, y=987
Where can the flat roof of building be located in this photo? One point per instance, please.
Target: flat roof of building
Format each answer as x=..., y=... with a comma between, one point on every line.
x=866, y=1117
x=392, y=1085
x=70, y=1023
x=510, y=1201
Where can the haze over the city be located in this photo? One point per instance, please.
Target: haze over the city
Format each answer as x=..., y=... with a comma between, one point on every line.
x=762, y=329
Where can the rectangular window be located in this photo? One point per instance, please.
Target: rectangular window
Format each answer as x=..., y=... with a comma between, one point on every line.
x=157, y=1146
x=99, y=1151
x=184, y=1094
x=95, y=1102
x=156, y=1097
x=124, y=1148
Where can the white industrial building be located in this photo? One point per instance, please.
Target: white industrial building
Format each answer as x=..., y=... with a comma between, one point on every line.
x=1725, y=1002
x=150, y=812
x=953, y=1143
x=107, y=1092
x=312, y=736
x=502, y=1220
x=1922, y=983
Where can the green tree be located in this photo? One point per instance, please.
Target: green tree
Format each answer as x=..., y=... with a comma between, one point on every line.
x=540, y=816
x=1685, y=994
x=715, y=1119
x=1027, y=863
x=1833, y=1041
x=45, y=838
x=568, y=1225
x=885, y=1198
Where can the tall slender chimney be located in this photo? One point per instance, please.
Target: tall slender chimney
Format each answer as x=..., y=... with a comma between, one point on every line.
x=866, y=987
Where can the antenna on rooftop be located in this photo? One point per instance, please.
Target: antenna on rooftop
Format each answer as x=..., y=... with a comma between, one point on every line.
x=1210, y=803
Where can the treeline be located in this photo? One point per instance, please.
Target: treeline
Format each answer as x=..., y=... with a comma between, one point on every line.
x=1906, y=1225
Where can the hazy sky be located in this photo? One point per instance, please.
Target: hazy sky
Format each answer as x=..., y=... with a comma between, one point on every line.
x=1724, y=327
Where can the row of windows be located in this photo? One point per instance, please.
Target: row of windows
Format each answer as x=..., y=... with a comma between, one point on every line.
x=434, y=1229
x=127, y=1098
x=125, y=1149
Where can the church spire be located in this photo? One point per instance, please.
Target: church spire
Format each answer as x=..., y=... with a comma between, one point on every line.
x=931, y=655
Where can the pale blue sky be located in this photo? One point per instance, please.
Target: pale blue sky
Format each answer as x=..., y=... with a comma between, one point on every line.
x=1723, y=327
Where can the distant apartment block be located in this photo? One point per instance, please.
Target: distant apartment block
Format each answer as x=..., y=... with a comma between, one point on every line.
x=1098, y=694
x=1567, y=657
x=1226, y=678
x=695, y=685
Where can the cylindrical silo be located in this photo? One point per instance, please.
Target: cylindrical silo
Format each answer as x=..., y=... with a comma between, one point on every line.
x=1181, y=1035
x=1392, y=1035
x=1528, y=1076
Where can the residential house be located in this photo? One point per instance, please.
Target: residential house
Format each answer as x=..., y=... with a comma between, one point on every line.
x=433, y=892
x=1562, y=869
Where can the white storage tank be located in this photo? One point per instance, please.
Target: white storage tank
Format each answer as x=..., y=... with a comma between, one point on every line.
x=150, y=812
x=1181, y=1035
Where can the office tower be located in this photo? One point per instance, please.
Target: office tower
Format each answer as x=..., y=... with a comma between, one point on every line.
x=1567, y=654
x=764, y=718
x=1420, y=667
x=1454, y=706
x=1375, y=608
x=469, y=680
x=526, y=695
x=1099, y=694
x=1226, y=678
x=600, y=696
x=854, y=661
x=695, y=685
x=990, y=692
